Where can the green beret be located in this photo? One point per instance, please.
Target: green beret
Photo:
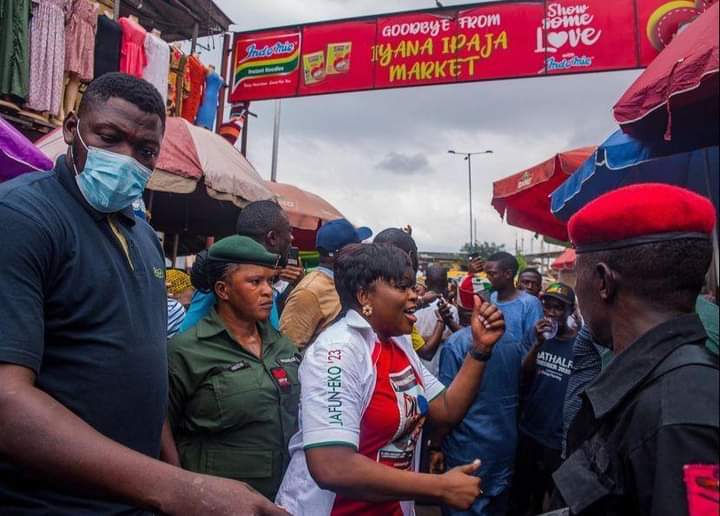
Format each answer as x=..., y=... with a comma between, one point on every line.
x=242, y=249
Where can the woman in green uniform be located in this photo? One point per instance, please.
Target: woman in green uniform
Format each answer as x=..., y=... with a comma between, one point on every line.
x=234, y=379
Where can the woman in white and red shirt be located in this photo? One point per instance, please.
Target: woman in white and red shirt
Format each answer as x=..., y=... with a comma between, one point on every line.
x=365, y=396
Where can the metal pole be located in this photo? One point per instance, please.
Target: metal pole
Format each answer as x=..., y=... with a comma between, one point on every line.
x=196, y=31
x=176, y=245
x=244, y=135
x=469, y=159
x=116, y=10
x=715, y=276
x=276, y=142
x=224, y=74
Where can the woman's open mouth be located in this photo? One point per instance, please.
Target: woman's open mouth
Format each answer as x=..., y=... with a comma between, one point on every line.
x=410, y=315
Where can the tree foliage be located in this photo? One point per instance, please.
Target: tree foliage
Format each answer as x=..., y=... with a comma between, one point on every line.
x=484, y=250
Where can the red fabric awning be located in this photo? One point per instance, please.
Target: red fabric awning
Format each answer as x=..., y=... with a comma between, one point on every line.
x=565, y=261
x=523, y=199
x=680, y=86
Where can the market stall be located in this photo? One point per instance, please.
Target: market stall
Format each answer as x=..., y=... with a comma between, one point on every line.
x=564, y=265
x=676, y=97
x=523, y=198
x=55, y=51
x=622, y=160
x=306, y=211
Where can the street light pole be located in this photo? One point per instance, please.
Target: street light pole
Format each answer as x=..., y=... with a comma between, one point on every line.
x=276, y=142
x=468, y=158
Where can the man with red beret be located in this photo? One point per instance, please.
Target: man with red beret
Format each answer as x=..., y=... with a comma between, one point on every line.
x=642, y=255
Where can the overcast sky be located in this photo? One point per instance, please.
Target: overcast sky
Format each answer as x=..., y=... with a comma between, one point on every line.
x=381, y=157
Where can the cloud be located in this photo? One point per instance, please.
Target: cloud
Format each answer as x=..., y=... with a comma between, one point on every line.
x=405, y=164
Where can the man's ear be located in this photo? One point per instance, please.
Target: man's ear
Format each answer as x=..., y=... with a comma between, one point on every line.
x=607, y=282
x=271, y=238
x=69, y=127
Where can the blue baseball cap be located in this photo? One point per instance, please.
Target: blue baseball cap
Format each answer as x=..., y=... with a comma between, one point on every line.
x=336, y=234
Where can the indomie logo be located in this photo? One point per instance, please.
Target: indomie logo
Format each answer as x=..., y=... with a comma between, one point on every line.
x=252, y=52
x=280, y=56
x=563, y=27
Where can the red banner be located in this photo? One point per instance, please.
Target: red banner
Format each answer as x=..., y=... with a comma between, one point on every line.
x=266, y=63
x=497, y=40
x=337, y=57
x=589, y=35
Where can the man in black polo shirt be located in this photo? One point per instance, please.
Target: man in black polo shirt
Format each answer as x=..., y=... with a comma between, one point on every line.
x=83, y=368
x=651, y=416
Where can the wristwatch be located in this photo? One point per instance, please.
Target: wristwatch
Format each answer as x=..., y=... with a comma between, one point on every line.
x=480, y=356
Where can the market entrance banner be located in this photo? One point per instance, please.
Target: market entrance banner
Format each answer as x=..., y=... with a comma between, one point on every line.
x=479, y=42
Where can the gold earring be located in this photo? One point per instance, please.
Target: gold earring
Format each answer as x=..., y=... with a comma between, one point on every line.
x=367, y=310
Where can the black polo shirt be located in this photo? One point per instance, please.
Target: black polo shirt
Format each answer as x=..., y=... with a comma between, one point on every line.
x=86, y=310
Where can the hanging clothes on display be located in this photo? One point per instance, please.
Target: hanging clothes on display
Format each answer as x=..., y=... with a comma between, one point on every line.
x=158, y=64
x=178, y=81
x=14, y=48
x=80, y=39
x=107, y=46
x=47, y=55
x=208, y=108
x=132, y=48
x=191, y=103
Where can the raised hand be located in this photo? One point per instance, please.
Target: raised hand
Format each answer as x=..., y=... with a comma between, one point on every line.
x=488, y=325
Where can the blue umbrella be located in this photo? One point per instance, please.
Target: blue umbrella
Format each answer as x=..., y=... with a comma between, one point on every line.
x=622, y=160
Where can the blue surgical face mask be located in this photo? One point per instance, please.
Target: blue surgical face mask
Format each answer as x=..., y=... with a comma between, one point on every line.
x=110, y=182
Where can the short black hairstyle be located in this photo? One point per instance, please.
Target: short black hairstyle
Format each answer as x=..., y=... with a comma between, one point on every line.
x=531, y=270
x=506, y=261
x=399, y=238
x=198, y=276
x=358, y=266
x=436, y=278
x=258, y=218
x=669, y=274
x=121, y=85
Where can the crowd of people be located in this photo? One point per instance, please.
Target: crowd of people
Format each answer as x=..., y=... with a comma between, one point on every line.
x=247, y=386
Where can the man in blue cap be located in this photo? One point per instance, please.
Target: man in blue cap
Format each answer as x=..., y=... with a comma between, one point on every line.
x=314, y=304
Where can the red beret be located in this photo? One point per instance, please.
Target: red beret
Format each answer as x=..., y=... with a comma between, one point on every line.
x=641, y=214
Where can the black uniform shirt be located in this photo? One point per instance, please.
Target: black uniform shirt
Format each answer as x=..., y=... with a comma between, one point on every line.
x=651, y=412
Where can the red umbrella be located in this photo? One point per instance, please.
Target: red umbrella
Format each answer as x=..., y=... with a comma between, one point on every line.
x=305, y=210
x=565, y=261
x=677, y=95
x=524, y=198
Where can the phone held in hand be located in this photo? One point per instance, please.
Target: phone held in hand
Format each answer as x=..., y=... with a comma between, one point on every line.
x=293, y=258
